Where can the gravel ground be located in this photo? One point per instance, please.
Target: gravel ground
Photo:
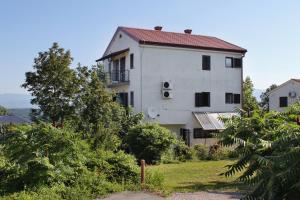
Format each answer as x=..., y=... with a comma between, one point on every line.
x=175, y=196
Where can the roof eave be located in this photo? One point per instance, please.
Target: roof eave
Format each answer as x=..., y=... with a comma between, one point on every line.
x=243, y=51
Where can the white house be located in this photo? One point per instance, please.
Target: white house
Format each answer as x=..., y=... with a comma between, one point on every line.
x=180, y=80
x=285, y=95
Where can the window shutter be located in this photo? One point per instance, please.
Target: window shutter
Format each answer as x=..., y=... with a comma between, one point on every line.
x=132, y=98
x=237, y=98
x=131, y=61
x=197, y=99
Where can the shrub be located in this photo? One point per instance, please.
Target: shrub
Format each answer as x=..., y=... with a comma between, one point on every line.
x=149, y=141
x=182, y=151
x=40, y=157
x=201, y=151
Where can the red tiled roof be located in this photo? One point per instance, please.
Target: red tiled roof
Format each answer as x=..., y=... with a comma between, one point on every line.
x=163, y=38
x=297, y=80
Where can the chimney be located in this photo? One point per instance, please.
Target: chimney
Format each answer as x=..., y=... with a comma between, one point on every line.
x=158, y=28
x=188, y=31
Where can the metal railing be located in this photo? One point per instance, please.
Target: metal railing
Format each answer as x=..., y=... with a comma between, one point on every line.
x=118, y=77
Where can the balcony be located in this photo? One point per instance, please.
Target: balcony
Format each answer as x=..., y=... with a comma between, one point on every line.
x=116, y=78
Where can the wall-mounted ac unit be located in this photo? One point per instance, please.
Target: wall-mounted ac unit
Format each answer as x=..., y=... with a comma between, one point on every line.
x=167, y=85
x=167, y=94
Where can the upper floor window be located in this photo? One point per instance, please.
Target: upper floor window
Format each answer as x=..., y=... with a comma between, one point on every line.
x=283, y=101
x=202, y=99
x=233, y=62
x=131, y=61
x=205, y=62
x=231, y=98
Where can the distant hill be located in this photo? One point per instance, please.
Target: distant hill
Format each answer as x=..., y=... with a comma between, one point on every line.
x=23, y=113
x=15, y=100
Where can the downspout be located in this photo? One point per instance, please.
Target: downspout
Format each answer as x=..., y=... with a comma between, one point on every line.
x=242, y=81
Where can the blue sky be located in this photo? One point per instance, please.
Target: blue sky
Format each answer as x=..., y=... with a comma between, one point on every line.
x=270, y=30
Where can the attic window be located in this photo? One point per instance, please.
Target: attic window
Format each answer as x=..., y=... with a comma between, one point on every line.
x=120, y=36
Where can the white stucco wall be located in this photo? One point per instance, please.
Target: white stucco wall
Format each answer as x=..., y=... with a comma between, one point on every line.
x=283, y=91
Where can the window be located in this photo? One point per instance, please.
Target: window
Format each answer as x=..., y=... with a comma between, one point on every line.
x=233, y=62
x=238, y=62
x=237, y=98
x=205, y=62
x=283, y=101
x=123, y=98
x=202, y=99
x=200, y=133
x=228, y=62
x=231, y=98
x=132, y=98
x=131, y=61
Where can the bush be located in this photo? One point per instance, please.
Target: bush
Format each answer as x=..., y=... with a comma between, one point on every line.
x=149, y=141
x=201, y=152
x=44, y=160
x=216, y=152
x=182, y=151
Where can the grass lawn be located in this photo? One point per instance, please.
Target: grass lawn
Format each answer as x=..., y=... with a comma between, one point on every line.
x=198, y=176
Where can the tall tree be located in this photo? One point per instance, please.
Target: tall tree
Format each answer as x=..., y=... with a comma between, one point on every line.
x=264, y=103
x=249, y=101
x=3, y=111
x=52, y=84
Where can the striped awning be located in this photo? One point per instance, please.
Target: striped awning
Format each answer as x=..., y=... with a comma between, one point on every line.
x=211, y=121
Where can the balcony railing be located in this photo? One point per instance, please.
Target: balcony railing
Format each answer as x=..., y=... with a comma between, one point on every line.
x=118, y=77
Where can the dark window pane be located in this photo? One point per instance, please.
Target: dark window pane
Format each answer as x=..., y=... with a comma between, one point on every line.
x=229, y=62
x=200, y=133
x=238, y=63
x=123, y=98
x=229, y=98
x=202, y=99
x=237, y=98
x=283, y=101
x=131, y=61
x=205, y=62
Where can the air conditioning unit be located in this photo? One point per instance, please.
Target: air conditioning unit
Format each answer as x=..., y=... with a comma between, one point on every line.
x=292, y=94
x=167, y=85
x=167, y=94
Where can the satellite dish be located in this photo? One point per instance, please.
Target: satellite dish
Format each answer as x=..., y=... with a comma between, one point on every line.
x=292, y=94
x=152, y=112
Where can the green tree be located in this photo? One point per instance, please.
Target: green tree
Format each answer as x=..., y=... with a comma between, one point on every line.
x=264, y=103
x=98, y=115
x=249, y=101
x=3, y=111
x=53, y=84
x=149, y=141
x=269, y=156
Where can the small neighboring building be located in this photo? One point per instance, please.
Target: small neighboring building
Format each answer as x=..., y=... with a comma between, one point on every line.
x=285, y=95
x=10, y=119
x=183, y=81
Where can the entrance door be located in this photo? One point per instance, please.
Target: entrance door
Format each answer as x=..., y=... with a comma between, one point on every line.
x=185, y=135
x=115, y=71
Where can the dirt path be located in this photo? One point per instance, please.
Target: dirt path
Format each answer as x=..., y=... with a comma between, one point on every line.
x=175, y=196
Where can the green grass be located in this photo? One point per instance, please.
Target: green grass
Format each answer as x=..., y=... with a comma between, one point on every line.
x=198, y=176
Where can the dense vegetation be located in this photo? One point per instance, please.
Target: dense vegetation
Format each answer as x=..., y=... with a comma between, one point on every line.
x=86, y=150
x=3, y=111
x=268, y=145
